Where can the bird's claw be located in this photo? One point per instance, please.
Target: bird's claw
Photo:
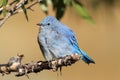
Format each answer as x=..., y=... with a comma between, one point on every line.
x=54, y=65
x=67, y=60
x=76, y=56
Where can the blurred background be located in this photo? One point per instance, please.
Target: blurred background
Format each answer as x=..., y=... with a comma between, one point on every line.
x=101, y=41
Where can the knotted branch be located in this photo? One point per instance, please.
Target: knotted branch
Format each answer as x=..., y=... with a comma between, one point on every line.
x=14, y=65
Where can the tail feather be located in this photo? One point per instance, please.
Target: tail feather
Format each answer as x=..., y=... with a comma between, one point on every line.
x=86, y=58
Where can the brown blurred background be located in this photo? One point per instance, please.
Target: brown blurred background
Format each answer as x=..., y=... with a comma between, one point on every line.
x=101, y=41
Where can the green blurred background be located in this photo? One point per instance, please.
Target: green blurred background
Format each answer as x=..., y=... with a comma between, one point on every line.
x=101, y=41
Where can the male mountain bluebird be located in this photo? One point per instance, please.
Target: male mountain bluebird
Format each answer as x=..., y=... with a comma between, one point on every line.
x=57, y=40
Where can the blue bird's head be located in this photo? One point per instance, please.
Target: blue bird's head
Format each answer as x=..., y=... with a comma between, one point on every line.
x=48, y=21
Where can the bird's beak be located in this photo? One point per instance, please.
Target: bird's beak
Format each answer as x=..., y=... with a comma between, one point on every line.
x=38, y=24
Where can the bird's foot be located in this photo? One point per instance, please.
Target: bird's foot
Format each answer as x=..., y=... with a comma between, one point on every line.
x=67, y=60
x=54, y=65
x=76, y=57
x=63, y=61
x=70, y=59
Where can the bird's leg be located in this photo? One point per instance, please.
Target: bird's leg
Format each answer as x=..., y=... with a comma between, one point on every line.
x=61, y=70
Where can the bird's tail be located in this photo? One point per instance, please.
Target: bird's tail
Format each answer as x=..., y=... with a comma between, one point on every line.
x=86, y=58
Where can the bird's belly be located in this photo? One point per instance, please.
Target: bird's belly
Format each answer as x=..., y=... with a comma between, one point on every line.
x=60, y=48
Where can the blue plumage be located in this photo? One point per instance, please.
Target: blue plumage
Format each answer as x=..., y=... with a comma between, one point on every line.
x=57, y=40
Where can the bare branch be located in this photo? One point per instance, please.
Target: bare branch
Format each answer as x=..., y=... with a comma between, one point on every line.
x=5, y=19
x=10, y=13
x=8, y=5
x=14, y=65
x=29, y=7
x=13, y=10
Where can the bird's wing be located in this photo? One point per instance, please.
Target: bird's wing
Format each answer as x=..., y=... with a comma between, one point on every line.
x=70, y=36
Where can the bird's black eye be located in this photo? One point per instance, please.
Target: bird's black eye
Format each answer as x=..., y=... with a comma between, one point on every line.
x=48, y=24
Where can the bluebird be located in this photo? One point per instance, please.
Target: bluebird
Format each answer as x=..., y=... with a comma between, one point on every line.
x=57, y=40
